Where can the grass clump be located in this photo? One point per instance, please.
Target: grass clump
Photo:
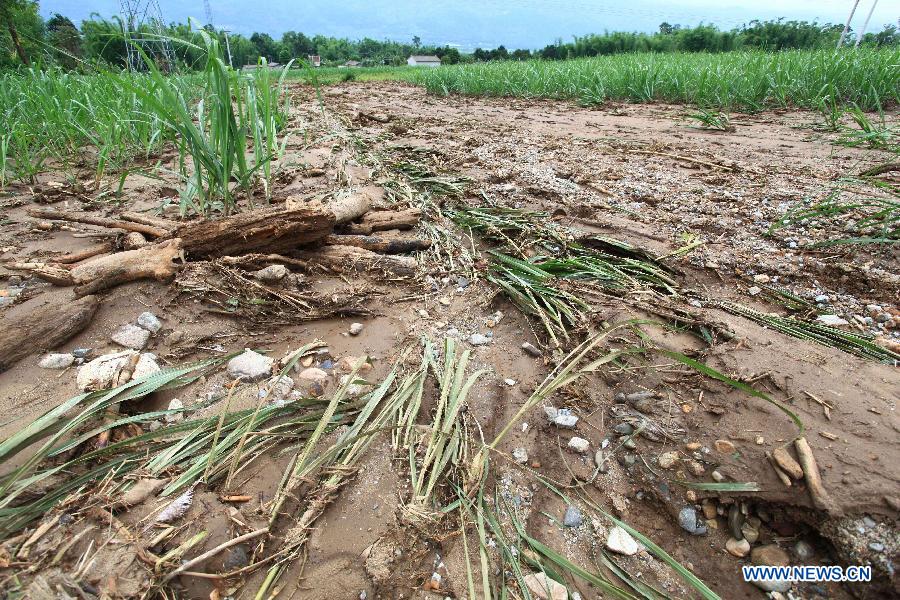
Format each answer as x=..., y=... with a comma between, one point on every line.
x=749, y=80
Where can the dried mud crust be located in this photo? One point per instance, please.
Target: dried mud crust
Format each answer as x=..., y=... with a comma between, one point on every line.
x=614, y=170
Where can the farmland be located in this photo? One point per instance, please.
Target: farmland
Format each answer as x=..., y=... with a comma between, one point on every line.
x=457, y=332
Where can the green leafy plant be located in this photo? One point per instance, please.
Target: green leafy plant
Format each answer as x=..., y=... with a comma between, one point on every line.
x=708, y=119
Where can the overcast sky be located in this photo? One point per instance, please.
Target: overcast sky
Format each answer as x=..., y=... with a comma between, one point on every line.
x=484, y=23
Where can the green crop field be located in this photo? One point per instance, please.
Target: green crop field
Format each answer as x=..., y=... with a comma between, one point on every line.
x=869, y=78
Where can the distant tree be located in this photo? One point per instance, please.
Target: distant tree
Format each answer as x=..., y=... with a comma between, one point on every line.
x=65, y=39
x=448, y=55
x=889, y=36
x=501, y=53
x=480, y=55
x=16, y=16
x=521, y=54
x=417, y=41
x=666, y=29
x=265, y=46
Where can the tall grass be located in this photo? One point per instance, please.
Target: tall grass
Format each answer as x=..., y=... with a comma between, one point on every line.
x=747, y=79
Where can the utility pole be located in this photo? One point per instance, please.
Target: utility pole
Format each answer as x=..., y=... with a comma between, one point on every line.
x=847, y=25
x=862, y=31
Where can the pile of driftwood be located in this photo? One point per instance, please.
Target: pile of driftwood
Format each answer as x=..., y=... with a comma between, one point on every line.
x=341, y=235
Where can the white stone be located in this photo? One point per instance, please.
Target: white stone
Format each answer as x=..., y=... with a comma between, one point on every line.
x=356, y=328
x=831, y=320
x=579, y=445
x=250, y=366
x=354, y=390
x=99, y=373
x=510, y=382
x=761, y=278
x=272, y=273
x=175, y=404
x=148, y=321
x=667, y=460
x=621, y=542
x=544, y=588
x=564, y=418
x=314, y=374
x=131, y=336
x=520, y=455
x=280, y=386
x=754, y=290
x=56, y=361
x=476, y=339
x=146, y=365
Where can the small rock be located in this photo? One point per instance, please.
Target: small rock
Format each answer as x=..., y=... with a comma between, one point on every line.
x=750, y=533
x=770, y=555
x=178, y=405
x=347, y=363
x=804, y=551
x=717, y=477
x=739, y=548
x=709, y=509
x=278, y=387
x=100, y=372
x=628, y=442
x=148, y=321
x=462, y=282
x=831, y=320
x=476, y=339
x=356, y=328
x=771, y=585
x=81, y=352
x=690, y=522
x=754, y=290
x=57, y=361
x=621, y=542
x=694, y=467
x=762, y=278
x=131, y=336
x=623, y=429
x=520, y=455
x=876, y=546
x=509, y=382
x=530, y=349
x=573, y=517
x=354, y=390
x=565, y=419
x=250, y=366
x=551, y=413
x=579, y=445
x=314, y=374
x=822, y=299
x=272, y=273
x=724, y=446
x=146, y=365
x=544, y=588
x=600, y=461
x=869, y=521
x=736, y=521
x=667, y=460
x=236, y=558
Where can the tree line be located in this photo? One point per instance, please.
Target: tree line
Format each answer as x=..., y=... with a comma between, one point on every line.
x=26, y=38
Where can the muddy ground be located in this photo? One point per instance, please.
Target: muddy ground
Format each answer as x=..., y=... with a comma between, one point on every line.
x=639, y=173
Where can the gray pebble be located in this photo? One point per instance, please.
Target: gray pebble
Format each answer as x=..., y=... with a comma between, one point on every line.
x=623, y=429
x=876, y=546
x=690, y=522
x=573, y=517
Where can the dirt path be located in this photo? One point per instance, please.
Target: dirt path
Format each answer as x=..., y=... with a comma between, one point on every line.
x=635, y=173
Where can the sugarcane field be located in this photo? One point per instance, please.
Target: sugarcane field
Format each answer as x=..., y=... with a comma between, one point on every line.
x=557, y=325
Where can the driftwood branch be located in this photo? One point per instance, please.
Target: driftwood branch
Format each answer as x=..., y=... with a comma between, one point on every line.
x=159, y=222
x=817, y=491
x=379, y=244
x=386, y=219
x=53, y=273
x=158, y=261
x=55, y=215
x=350, y=258
x=85, y=254
x=43, y=327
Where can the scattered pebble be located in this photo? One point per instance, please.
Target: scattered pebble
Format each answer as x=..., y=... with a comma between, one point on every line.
x=770, y=555
x=623, y=429
x=564, y=419
x=520, y=455
x=579, y=445
x=573, y=517
x=356, y=328
x=690, y=521
x=667, y=460
x=531, y=349
x=831, y=320
x=249, y=366
x=754, y=290
x=621, y=542
x=272, y=273
x=509, y=382
x=131, y=336
x=149, y=321
x=724, y=446
x=175, y=404
x=739, y=548
x=57, y=361
x=476, y=339
x=544, y=588
x=804, y=551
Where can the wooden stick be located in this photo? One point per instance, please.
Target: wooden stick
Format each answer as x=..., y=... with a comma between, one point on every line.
x=137, y=217
x=379, y=244
x=91, y=252
x=820, y=497
x=685, y=158
x=263, y=258
x=351, y=258
x=209, y=554
x=157, y=261
x=55, y=274
x=55, y=215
